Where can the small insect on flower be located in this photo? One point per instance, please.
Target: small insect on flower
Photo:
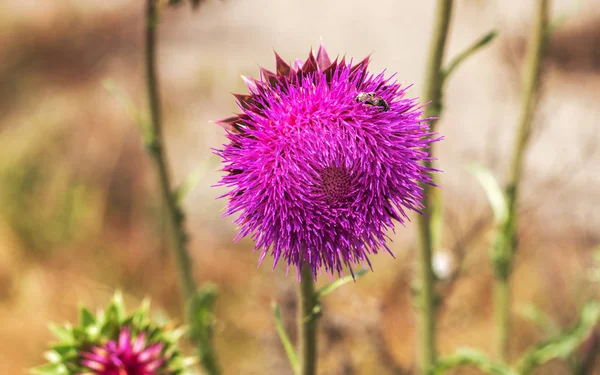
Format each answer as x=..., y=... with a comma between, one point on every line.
x=371, y=99
x=322, y=160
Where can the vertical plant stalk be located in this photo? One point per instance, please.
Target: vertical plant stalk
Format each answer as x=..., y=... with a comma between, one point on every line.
x=307, y=323
x=174, y=215
x=502, y=311
x=505, y=245
x=433, y=94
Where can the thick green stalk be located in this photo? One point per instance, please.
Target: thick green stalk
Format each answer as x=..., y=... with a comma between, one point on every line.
x=432, y=93
x=174, y=215
x=505, y=246
x=307, y=323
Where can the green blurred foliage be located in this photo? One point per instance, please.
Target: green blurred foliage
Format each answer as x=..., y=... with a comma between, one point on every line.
x=45, y=202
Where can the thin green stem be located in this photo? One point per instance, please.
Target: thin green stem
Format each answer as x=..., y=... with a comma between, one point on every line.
x=472, y=358
x=502, y=300
x=174, y=215
x=432, y=94
x=536, y=48
x=479, y=44
x=285, y=339
x=564, y=344
x=307, y=323
x=157, y=153
x=505, y=246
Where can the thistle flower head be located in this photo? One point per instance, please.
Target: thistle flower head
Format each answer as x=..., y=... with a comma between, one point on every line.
x=320, y=161
x=113, y=343
x=126, y=355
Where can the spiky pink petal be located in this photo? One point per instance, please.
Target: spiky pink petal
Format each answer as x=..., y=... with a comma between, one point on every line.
x=129, y=355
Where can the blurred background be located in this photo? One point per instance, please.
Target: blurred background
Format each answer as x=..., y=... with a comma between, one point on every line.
x=79, y=216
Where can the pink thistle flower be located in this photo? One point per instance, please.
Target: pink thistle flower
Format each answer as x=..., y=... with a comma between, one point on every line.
x=129, y=355
x=112, y=342
x=321, y=161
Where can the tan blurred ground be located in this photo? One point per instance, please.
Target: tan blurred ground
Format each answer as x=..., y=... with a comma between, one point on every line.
x=78, y=211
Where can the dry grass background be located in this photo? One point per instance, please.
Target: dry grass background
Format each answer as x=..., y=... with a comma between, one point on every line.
x=78, y=211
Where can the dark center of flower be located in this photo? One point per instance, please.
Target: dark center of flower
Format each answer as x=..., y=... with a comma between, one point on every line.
x=336, y=183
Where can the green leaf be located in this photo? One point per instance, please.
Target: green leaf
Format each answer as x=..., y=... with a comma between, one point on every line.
x=189, y=361
x=86, y=318
x=203, y=318
x=118, y=305
x=175, y=334
x=470, y=357
x=50, y=369
x=202, y=324
x=285, y=340
x=493, y=191
x=62, y=333
x=140, y=317
x=53, y=356
x=482, y=42
x=336, y=284
x=562, y=346
x=540, y=319
x=63, y=348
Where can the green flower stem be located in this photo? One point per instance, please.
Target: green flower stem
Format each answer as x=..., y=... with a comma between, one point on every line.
x=307, y=323
x=433, y=94
x=502, y=312
x=506, y=242
x=479, y=44
x=564, y=344
x=472, y=358
x=174, y=215
x=157, y=152
x=284, y=338
x=310, y=301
